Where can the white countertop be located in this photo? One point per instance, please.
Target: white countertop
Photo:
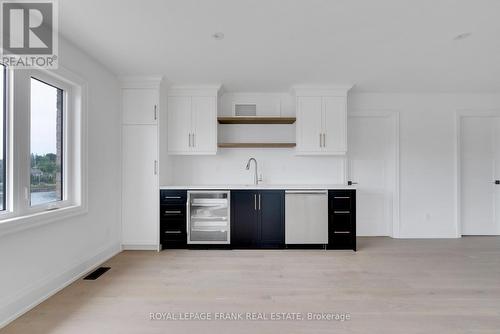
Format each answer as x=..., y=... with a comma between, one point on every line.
x=260, y=186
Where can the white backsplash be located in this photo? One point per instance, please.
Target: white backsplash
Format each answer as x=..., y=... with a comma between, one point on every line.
x=277, y=166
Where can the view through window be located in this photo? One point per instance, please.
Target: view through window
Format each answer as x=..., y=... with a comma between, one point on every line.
x=3, y=106
x=46, y=143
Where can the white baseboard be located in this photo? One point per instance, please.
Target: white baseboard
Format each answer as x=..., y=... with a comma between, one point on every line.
x=28, y=298
x=139, y=247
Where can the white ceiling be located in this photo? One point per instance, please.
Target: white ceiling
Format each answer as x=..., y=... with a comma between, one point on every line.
x=270, y=45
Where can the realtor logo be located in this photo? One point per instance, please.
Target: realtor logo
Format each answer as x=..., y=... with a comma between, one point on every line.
x=29, y=33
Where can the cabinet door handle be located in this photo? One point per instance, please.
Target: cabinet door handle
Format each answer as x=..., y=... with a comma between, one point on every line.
x=259, y=202
x=341, y=212
x=155, y=113
x=255, y=202
x=173, y=212
x=156, y=167
x=194, y=139
x=341, y=197
x=342, y=232
x=172, y=197
x=320, y=142
x=324, y=139
x=173, y=232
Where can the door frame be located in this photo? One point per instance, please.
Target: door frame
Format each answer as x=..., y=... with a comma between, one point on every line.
x=393, y=115
x=459, y=115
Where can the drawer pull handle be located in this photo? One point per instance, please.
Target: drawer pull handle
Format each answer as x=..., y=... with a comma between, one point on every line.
x=342, y=232
x=174, y=212
x=172, y=197
x=341, y=197
x=341, y=212
x=173, y=232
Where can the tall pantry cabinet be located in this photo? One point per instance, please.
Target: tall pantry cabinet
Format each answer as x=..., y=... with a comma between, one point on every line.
x=140, y=169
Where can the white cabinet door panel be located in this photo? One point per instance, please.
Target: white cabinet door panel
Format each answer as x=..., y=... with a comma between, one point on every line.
x=309, y=124
x=139, y=106
x=204, y=123
x=140, y=185
x=334, y=124
x=179, y=124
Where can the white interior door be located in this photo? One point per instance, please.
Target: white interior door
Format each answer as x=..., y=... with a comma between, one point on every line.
x=372, y=164
x=480, y=167
x=140, y=185
x=204, y=124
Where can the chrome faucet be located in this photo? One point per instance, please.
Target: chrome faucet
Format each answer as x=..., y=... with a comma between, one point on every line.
x=255, y=179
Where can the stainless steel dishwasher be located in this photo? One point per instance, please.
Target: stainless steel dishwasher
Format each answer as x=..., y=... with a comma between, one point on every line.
x=306, y=217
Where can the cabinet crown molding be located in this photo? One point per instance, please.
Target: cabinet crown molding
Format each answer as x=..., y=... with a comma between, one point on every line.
x=330, y=90
x=144, y=82
x=195, y=90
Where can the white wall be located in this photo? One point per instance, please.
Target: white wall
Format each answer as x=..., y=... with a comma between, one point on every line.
x=427, y=155
x=35, y=262
x=427, y=159
x=278, y=166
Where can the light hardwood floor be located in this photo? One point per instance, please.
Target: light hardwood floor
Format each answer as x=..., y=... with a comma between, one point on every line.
x=389, y=286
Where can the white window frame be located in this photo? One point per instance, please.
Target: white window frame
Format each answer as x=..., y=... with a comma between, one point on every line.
x=19, y=214
x=67, y=151
x=7, y=162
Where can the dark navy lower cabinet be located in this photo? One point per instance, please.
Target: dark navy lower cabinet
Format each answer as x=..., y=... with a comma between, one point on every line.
x=244, y=217
x=173, y=219
x=342, y=219
x=257, y=219
x=272, y=218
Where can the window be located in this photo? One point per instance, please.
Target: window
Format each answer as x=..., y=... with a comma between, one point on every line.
x=46, y=142
x=42, y=147
x=3, y=113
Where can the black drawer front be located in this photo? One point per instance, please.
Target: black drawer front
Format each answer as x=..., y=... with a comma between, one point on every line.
x=173, y=234
x=341, y=222
x=173, y=225
x=178, y=197
x=169, y=212
x=341, y=200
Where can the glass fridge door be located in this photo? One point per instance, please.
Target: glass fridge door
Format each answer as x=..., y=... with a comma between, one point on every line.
x=208, y=219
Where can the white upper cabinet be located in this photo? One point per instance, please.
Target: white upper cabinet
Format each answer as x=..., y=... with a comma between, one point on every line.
x=334, y=124
x=310, y=116
x=321, y=121
x=179, y=124
x=192, y=120
x=140, y=106
x=204, y=124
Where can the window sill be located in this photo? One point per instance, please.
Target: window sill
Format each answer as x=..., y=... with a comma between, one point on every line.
x=18, y=224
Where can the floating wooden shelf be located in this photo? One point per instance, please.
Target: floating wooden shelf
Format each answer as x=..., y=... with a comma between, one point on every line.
x=256, y=120
x=256, y=145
